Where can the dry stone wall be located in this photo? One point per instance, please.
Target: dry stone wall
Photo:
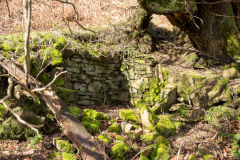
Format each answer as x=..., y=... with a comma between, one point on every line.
x=107, y=80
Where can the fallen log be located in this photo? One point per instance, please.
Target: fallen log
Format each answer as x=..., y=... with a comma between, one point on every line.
x=89, y=148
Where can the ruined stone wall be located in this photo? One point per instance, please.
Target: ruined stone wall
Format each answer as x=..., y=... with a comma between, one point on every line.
x=106, y=80
x=96, y=80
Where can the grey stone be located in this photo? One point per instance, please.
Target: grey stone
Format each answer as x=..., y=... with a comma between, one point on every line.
x=80, y=87
x=135, y=134
x=94, y=86
x=126, y=127
x=74, y=70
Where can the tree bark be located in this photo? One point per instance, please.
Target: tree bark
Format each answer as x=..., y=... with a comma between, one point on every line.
x=74, y=130
x=211, y=26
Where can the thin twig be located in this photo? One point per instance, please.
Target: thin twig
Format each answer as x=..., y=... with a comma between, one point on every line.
x=20, y=120
x=49, y=84
x=9, y=13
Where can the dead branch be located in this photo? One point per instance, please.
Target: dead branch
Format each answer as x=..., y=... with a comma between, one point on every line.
x=76, y=15
x=49, y=84
x=52, y=60
x=9, y=13
x=72, y=127
x=20, y=120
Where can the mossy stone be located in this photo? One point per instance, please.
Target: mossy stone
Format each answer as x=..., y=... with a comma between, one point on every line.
x=65, y=146
x=92, y=125
x=149, y=137
x=74, y=110
x=129, y=115
x=114, y=128
x=143, y=157
x=162, y=150
x=192, y=157
x=166, y=126
x=105, y=138
x=68, y=156
x=208, y=157
x=119, y=150
x=120, y=138
x=218, y=114
x=12, y=129
x=95, y=114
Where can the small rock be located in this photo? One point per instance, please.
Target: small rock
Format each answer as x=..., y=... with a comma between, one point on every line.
x=126, y=127
x=134, y=135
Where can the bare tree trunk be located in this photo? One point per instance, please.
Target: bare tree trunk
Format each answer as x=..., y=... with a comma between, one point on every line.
x=90, y=149
x=27, y=25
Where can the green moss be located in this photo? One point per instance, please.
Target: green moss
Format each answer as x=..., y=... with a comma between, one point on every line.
x=65, y=146
x=54, y=155
x=148, y=118
x=67, y=95
x=119, y=150
x=68, y=156
x=74, y=110
x=92, y=125
x=120, y=138
x=59, y=82
x=192, y=157
x=149, y=138
x=129, y=115
x=208, y=157
x=7, y=47
x=3, y=112
x=215, y=115
x=12, y=129
x=166, y=126
x=105, y=138
x=95, y=114
x=143, y=157
x=114, y=128
x=162, y=150
x=60, y=44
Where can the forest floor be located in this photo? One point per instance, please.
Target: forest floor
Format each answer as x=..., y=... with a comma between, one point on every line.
x=52, y=15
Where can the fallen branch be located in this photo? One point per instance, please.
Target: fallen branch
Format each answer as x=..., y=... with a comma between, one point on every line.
x=49, y=84
x=19, y=119
x=89, y=148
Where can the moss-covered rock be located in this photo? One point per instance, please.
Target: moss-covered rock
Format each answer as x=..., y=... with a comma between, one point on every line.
x=68, y=156
x=166, y=126
x=64, y=146
x=192, y=157
x=230, y=71
x=119, y=150
x=105, y=137
x=148, y=118
x=130, y=115
x=208, y=157
x=74, y=110
x=135, y=134
x=12, y=129
x=120, y=138
x=219, y=114
x=149, y=137
x=95, y=114
x=162, y=150
x=92, y=125
x=114, y=128
x=67, y=95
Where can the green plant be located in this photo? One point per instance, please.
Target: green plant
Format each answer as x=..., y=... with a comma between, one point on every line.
x=236, y=145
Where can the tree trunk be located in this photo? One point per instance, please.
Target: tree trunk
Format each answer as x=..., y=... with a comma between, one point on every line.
x=210, y=25
x=74, y=130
